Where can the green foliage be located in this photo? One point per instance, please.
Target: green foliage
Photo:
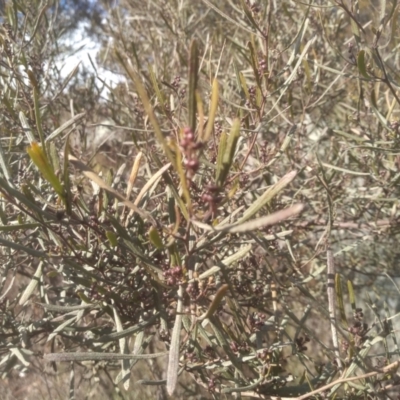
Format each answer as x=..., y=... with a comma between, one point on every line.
x=261, y=142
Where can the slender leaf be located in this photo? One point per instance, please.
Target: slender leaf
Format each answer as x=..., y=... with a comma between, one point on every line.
x=193, y=77
x=173, y=360
x=212, y=111
x=39, y=158
x=32, y=284
x=67, y=357
x=267, y=196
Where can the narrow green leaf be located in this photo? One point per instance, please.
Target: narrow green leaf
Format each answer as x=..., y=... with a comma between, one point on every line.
x=220, y=155
x=67, y=184
x=212, y=111
x=20, y=247
x=112, y=238
x=181, y=173
x=254, y=63
x=151, y=383
x=244, y=85
x=352, y=297
x=215, y=303
x=156, y=88
x=361, y=64
x=340, y=301
x=155, y=238
x=39, y=158
x=193, y=77
x=394, y=26
x=17, y=227
x=231, y=143
x=36, y=105
x=175, y=259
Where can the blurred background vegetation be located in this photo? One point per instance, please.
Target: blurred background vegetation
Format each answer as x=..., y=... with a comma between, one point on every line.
x=137, y=226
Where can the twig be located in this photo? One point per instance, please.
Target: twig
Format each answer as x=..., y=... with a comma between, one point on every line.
x=391, y=367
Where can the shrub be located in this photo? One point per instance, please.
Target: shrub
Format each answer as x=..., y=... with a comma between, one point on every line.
x=250, y=200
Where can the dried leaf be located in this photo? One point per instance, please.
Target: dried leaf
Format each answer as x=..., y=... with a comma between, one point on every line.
x=32, y=284
x=254, y=224
x=268, y=195
x=123, y=347
x=151, y=182
x=173, y=361
x=67, y=357
x=133, y=175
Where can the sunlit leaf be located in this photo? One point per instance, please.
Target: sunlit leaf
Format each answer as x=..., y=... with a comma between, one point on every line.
x=40, y=160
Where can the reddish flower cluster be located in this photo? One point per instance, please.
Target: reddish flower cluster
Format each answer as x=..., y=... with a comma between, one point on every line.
x=190, y=148
x=300, y=343
x=212, y=197
x=174, y=275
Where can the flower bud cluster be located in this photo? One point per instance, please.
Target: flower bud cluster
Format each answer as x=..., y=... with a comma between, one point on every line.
x=173, y=275
x=212, y=198
x=262, y=66
x=190, y=148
